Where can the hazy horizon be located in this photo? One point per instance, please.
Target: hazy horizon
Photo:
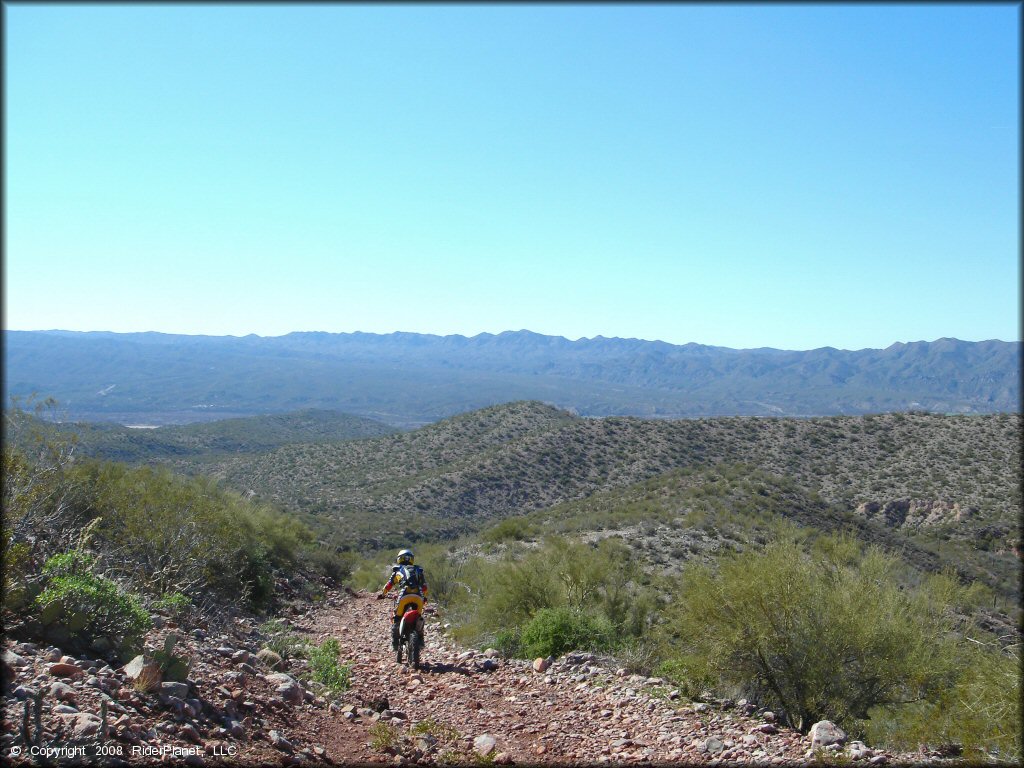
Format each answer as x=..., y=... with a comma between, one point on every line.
x=511, y=331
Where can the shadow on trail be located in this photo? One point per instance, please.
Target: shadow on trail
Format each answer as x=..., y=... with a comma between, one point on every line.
x=434, y=668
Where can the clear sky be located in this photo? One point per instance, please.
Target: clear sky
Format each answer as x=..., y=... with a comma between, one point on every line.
x=785, y=176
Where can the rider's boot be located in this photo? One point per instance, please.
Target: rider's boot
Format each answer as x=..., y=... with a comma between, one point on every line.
x=394, y=637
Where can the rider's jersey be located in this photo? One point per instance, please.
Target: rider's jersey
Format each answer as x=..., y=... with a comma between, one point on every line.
x=413, y=586
x=409, y=578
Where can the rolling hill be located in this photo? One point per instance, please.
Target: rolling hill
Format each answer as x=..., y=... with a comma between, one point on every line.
x=943, y=491
x=946, y=488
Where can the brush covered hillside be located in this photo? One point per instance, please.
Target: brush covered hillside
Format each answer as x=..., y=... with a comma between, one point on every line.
x=859, y=570
x=409, y=379
x=943, y=488
x=201, y=440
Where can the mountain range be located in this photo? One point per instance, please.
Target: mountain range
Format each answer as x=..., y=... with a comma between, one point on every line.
x=409, y=379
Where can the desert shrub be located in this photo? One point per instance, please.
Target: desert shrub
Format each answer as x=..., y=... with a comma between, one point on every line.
x=88, y=611
x=553, y=631
x=73, y=563
x=514, y=589
x=175, y=604
x=39, y=509
x=690, y=673
x=174, y=534
x=510, y=529
x=371, y=573
x=283, y=641
x=336, y=566
x=323, y=662
x=17, y=590
x=637, y=656
x=824, y=635
x=508, y=642
x=443, y=732
x=497, y=601
x=447, y=578
x=981, y=712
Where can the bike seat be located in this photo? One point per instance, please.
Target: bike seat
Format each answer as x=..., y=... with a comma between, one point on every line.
x=407, y=602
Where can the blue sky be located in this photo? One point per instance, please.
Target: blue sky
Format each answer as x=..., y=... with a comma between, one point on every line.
x=785, y=176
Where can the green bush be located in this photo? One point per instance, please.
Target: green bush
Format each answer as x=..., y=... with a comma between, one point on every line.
x=511, y=529
x=89, y=611
x=443, y=732
x=514, y=590
x=371, y=573
x=508, y=643
x=981, y=713
x=384, y=737
x=70, y=563
x=690, y=673
x=187, y=535
x=323, y=661
x=174, y=604
x=823, y=635
x=493, y=602
x=336, y=566
x=281, y=641
x=553, y=631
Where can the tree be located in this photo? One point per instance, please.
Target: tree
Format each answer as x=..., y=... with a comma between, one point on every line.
x=824, y=634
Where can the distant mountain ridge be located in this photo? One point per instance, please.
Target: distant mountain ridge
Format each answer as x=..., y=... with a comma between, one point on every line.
x=408, y=379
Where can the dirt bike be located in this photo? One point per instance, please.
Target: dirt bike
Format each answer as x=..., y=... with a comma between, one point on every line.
x=410, y=629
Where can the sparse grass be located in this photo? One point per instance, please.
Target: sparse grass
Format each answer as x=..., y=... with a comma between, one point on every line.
x=445, y=734
x=283, y=641
x=384, y=737
x=148, y=680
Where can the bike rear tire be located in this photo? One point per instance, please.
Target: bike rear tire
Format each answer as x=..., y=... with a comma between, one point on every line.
x=414, y=649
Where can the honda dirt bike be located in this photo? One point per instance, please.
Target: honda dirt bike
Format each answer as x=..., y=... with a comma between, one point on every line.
x=410, y=629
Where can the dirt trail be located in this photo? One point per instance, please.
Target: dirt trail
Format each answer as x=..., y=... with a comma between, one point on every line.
x=574, y=712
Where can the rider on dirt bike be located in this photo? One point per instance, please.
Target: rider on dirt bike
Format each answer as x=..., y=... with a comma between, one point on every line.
x=410, y=580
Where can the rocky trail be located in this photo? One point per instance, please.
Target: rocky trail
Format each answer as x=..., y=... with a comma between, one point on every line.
x=461, y=707
x=476, y=705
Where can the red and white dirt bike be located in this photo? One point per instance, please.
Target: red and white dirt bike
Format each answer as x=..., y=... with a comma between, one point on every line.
x=410, y=629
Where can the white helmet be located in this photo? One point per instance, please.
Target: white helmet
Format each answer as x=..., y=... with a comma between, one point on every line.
x=405, y=557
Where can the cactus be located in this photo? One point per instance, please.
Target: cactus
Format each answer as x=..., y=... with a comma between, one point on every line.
x=174, y=668
x=77, y=621
x=38, y=698
x=50, y=612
